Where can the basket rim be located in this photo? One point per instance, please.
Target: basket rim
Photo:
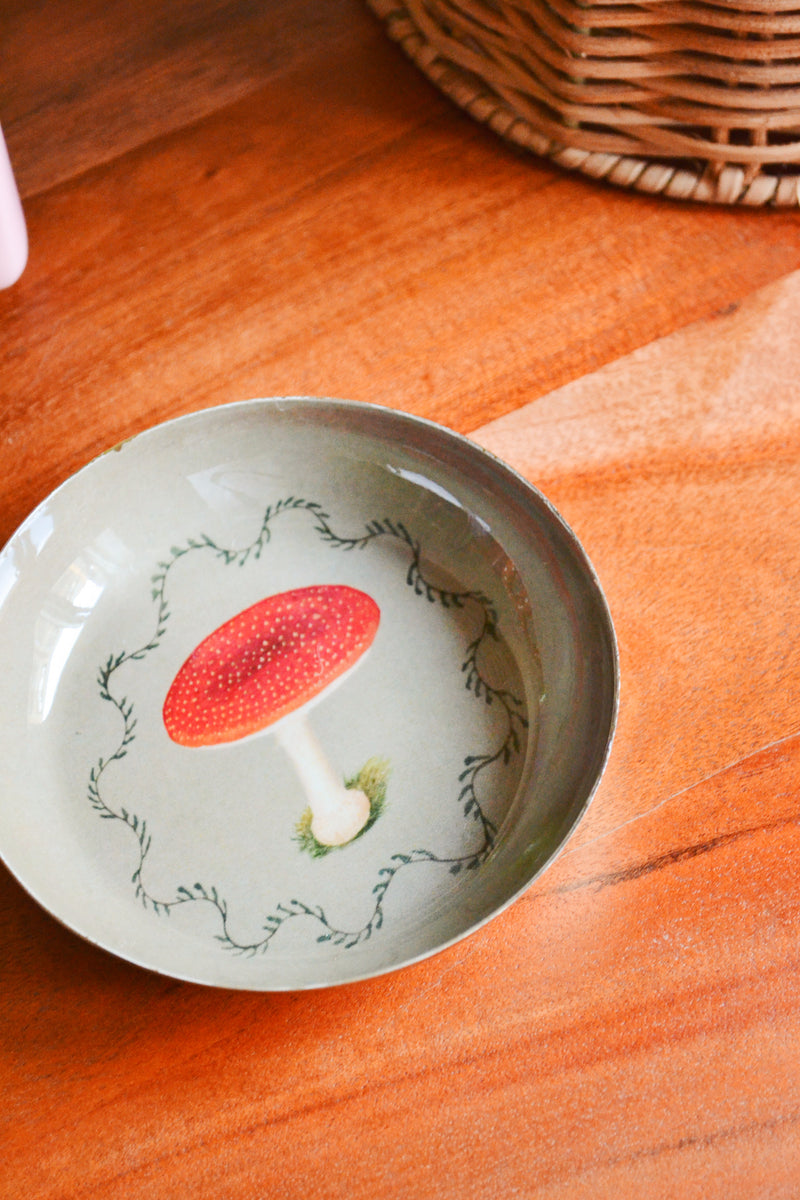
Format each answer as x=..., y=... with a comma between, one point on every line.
x=704, y=173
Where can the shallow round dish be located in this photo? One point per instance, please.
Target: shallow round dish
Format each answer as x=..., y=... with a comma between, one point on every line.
x=472, y=710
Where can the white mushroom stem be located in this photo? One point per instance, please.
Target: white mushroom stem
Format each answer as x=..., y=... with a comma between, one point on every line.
x=338, y=813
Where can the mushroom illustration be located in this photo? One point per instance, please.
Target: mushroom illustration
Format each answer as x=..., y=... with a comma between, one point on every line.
x=263, y=668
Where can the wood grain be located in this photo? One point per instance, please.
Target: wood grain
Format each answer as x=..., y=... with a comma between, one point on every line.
x=340, y=229
x=123, y=77
x=231, y=199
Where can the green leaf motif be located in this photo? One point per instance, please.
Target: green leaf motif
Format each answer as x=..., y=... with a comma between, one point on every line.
x=372, y=778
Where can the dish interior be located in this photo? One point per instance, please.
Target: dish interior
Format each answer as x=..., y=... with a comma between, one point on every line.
x=475, y=723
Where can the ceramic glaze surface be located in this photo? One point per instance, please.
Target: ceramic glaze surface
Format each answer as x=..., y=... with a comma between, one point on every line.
x=471, y=714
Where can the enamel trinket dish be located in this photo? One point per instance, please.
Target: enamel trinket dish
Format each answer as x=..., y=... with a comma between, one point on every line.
x=296, y=692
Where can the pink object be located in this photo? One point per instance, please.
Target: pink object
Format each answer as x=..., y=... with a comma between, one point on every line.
x=13, y=234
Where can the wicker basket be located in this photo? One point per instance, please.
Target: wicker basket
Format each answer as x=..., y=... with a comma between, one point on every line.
x=688, y=99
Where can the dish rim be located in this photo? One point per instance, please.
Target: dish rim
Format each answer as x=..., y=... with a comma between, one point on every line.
x=468, y=448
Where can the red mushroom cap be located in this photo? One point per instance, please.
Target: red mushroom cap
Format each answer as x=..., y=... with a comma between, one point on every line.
x=268, y=661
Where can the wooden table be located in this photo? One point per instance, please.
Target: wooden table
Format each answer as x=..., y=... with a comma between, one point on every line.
x=229, y=200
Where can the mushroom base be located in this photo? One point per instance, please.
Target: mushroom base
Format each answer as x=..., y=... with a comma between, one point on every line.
x=338, y=813
x=335, y=828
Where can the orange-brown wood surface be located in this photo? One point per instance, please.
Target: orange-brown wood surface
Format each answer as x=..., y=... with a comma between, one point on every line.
x=228, y=200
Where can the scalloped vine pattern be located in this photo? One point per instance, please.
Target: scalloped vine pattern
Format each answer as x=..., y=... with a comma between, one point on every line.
x=467, y=792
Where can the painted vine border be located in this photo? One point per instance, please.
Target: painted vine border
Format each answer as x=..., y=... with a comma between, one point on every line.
x=474, y=765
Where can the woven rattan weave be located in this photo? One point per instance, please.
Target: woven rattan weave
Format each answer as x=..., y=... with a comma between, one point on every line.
x=691, y=100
